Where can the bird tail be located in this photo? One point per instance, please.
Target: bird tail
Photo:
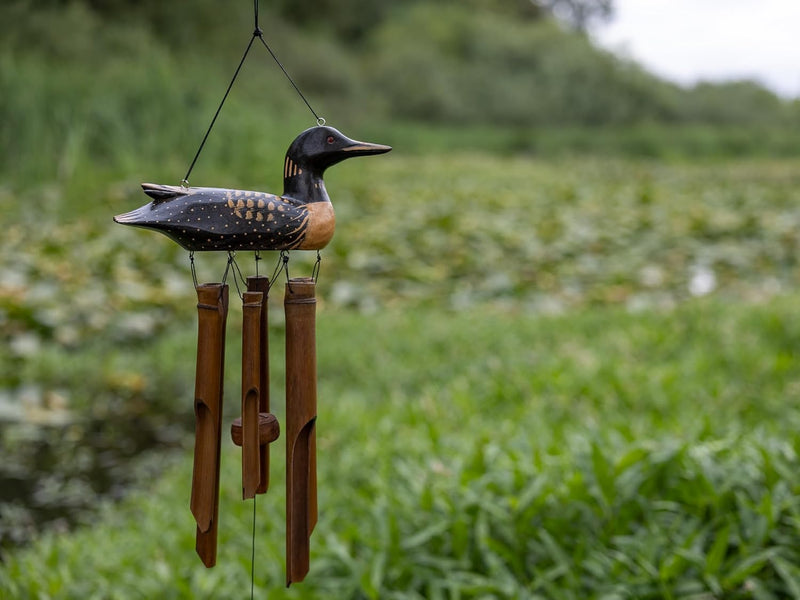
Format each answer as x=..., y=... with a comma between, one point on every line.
x=160, y=192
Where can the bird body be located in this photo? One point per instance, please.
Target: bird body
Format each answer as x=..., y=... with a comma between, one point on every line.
x=203, y=218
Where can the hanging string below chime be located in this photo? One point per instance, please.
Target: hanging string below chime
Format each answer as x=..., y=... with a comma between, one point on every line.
x=221, y=219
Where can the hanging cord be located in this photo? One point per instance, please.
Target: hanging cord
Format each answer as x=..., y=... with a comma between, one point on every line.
x=194, y=271
x=185, y=181
x=253, y=551
x=238, y=276
x=257, y=33
x=315, y=270
x=232, y=263
x=227, y=267
x=320, y=120
x=282, y=265
x=237, y=273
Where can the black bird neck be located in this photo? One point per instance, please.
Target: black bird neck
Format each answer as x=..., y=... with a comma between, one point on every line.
x=303, y=183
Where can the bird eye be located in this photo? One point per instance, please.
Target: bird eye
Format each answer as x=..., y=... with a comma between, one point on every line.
x=330, y=139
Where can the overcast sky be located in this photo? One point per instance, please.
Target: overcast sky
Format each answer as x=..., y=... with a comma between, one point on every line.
x=691, y=40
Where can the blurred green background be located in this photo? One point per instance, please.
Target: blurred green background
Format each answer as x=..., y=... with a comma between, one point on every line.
x=557, y=327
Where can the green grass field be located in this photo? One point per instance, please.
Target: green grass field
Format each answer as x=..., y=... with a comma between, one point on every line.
x=496, y=454
x=563, y=378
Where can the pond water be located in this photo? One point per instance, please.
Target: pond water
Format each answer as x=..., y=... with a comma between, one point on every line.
x=54, y=476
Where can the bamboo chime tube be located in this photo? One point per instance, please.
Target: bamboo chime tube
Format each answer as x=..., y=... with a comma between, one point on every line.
x=256, y=419
x=301, y=414
x=212, y=311
x=251, y=377
x=261, y=284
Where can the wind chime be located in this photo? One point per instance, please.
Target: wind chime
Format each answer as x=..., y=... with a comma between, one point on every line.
x=302, y=218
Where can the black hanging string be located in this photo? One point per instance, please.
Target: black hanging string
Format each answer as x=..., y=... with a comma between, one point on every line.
x=185, y=181
x=238, y=276
x=194, y=271
x=283, y=265
x=320, y=120
x=253, y=551
x=317, y=265
x=258, y=259
x=231, y=262
x=257, y=33
x=260, y=34
x=285, y=259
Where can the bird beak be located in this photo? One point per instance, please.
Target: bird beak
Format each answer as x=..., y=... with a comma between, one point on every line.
x=365, y=149
x=350, y=149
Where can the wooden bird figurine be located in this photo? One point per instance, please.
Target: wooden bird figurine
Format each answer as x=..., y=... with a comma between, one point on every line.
x=200, y=218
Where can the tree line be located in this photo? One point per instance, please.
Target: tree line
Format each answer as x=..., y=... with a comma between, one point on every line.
x=512, y=63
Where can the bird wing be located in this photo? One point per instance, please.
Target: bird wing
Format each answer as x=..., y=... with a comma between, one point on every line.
x=279, y=220
x=254, y=219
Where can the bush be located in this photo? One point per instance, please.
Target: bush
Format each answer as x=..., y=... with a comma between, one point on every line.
x=453, y=64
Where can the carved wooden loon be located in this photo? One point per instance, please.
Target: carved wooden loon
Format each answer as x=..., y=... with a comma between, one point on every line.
x=302, y=218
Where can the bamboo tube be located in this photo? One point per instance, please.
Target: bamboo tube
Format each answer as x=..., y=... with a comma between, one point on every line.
x=301, y=414
x=261, y=284
x=212, y=312
x=251, y=377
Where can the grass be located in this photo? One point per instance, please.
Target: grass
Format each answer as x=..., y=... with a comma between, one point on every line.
x=550, y=378
x=543, y=374
x=457, y=230
x=490, y=454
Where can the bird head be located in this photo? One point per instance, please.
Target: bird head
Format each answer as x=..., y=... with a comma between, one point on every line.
x=320, y=147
